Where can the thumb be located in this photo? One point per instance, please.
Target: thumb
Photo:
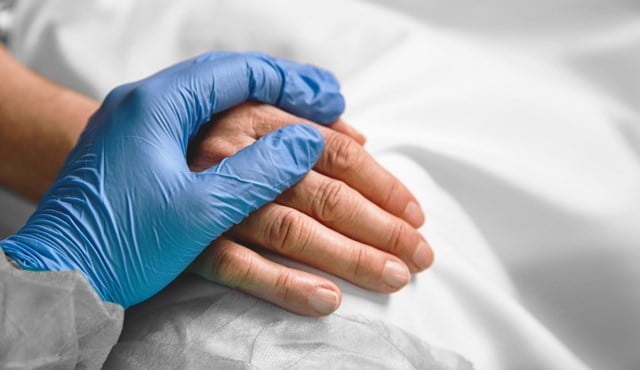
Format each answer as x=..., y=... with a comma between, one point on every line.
x=258, y=173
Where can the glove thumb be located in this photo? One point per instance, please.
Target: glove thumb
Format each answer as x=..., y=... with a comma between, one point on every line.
x=258, y=173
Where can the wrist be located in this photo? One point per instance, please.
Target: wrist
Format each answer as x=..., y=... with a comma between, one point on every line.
x=40, y=122
x=76, y=110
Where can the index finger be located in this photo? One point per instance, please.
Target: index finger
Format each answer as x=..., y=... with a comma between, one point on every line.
x=343, y=158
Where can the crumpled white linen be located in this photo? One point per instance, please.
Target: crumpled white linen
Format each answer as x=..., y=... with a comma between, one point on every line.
x=522, y=147
x=197, y=325
x=557, y=193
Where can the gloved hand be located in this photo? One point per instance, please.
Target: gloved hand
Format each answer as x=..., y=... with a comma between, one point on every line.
x=126, y=210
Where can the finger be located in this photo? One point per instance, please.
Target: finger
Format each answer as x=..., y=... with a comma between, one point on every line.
x=341, y=126
x=315, y=82
x=344, y=159
x=231, y=264
x=353, y=164
x=254, y=176
x=269, y=117
x=347, y=161
x=345, y=210
x=295, y=235
x=236, y=128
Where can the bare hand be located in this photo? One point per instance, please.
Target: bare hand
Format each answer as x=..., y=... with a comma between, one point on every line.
x=349, y=217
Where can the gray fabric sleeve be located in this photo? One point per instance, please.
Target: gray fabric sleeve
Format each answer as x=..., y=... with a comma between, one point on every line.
x=53, y=320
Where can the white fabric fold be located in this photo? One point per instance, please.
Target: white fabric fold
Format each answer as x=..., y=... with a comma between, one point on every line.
x=520, y=140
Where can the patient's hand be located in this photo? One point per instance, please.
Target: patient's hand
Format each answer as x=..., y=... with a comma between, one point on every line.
x=349, y=217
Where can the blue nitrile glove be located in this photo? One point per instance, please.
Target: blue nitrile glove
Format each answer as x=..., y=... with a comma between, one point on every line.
x=126, y=210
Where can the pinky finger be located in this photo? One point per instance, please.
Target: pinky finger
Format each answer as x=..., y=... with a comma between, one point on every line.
x=236, y=266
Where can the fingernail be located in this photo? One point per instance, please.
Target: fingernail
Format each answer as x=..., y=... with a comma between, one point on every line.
x=324, y=301
x=395, y=274
x=413, y=214
x=423, y=256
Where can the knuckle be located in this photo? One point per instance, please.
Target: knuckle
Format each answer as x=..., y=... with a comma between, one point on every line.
x=243, y=112
x=287, y=232
x=328, y=199
x=253, y=112
x=343, y=154
x=210, y=152
x=358, y=263
x=231, y=266
x=395, y=236
x=266, y=118
x=284, y=285
x=392, y=191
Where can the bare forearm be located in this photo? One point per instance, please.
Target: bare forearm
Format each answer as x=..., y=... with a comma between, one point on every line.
x=40, y=122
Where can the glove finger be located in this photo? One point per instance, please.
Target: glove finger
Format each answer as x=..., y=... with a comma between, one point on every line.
x=215, y=82
x=302, y=89
x=255, y=175
x=190, y=92
x=305, y=90
x=310, y=92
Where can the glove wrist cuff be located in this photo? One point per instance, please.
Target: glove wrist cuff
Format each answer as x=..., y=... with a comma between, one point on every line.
x=12, y=263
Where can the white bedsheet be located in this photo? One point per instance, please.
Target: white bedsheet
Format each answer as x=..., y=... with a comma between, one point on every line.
x=516, y=125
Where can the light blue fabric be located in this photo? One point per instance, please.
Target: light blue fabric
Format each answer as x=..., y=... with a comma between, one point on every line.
x=126, y=210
